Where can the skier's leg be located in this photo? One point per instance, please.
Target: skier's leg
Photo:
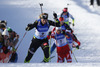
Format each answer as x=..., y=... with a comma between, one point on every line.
x=14, y=57
x=52, y=48
x=60, y=53
x=91, y=2
x=45, y=48
x=98, y=2
x=33, y=47
x=28, y=57
x=69, y=59
x=60, y=58
x=68, y=56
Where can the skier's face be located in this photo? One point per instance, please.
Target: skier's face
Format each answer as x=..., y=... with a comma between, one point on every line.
x=61, y=22
x=58, y=31
x=10, y=33
x=44, y=21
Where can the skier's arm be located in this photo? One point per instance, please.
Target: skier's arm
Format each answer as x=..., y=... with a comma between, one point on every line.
x=51, y=35
x=76, y=40
x=71, y=18
x=68, y=28
x=53, y=29
x=57, y=23
x=31, y=26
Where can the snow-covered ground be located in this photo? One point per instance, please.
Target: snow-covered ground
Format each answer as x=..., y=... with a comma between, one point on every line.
x=19, y=13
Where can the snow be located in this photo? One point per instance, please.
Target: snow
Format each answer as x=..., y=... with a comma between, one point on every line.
x=51, y=64
x=19, y=13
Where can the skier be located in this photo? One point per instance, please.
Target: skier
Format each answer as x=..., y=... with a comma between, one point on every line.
x=65, y=28
x=1, y=37
x=40, y=37
x=4, y=51
x=91, y=2
x=12, y=42
x=9, y=40
x=63, y=49
x=4, y=29
x=66, y=15
x=3, y=34
x=98, y=2
x=70, y=40
x=3, y=22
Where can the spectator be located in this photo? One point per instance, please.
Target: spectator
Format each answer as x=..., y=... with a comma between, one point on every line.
x=92, y=2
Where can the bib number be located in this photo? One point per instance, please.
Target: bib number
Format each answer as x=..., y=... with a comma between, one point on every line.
x=42, y=35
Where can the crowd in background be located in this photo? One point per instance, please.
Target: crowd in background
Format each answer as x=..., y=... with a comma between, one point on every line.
x=8, y=41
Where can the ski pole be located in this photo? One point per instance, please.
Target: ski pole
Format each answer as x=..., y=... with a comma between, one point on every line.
x=55, y=27
x=50, y=47
x=72, y=52
x=74, y=57
x=41, y=4
x=21, y=40
x=68, y=3
x=73, y=29
x=50, y=37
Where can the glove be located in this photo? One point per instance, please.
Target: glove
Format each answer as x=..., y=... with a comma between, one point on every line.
x=77, y=47
x=73, y=23
x=28, y=27
x=49, y=33
x=55, y=15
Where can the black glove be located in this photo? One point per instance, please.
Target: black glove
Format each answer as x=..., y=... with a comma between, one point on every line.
x=55, y=15
x=77, y=46
x=49, y=33
x=28, y=27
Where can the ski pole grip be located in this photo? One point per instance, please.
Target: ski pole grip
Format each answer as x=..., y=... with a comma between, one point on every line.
x=41, y=4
